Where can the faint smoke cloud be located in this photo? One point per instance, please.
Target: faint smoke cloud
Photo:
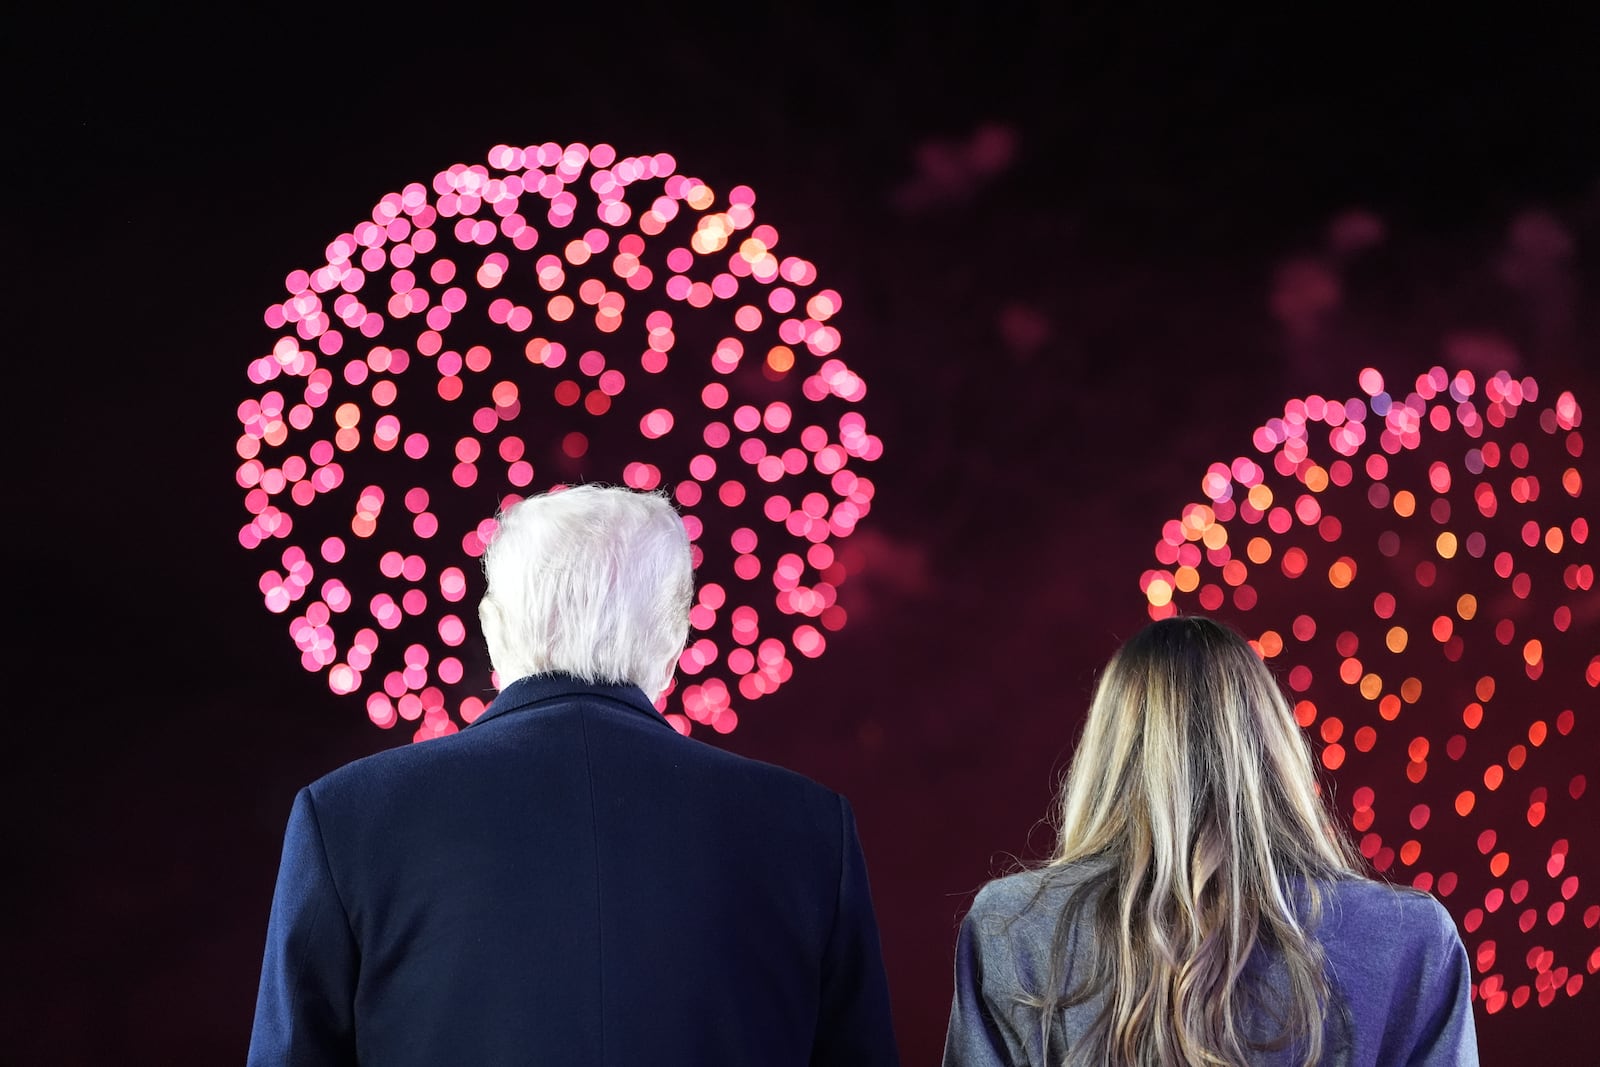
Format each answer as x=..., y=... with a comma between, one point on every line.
x=952, y=170
x=1307, y=289
x=1304, y=291
x=1354, y=232
x=1482, y=352
x=1024, y=329
x=1537, y=263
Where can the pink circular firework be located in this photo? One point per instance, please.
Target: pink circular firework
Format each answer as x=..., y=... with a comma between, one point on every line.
x=1418, y=570
x=560, y=315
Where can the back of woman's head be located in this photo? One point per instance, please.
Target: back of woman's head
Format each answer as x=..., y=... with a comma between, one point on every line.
x=1192, y=790
x=1189, y=739
x=594, y=581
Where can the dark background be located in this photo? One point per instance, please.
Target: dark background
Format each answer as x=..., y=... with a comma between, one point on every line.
x=1055, y=351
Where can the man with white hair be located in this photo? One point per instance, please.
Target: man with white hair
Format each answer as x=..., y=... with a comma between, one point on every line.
x=569, y=880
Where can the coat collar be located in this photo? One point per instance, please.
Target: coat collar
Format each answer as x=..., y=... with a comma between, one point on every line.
x=537, y=689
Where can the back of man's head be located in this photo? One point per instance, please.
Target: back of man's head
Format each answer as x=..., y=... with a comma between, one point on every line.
x=592, y=581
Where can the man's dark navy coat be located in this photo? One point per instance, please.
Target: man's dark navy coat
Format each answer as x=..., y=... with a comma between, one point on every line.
x=569, y=881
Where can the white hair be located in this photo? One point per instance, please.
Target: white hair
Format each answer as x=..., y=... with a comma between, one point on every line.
x=593, y=581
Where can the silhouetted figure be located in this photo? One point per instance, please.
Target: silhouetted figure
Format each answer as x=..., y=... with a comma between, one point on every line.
x=1202, y=907
x=568, y=880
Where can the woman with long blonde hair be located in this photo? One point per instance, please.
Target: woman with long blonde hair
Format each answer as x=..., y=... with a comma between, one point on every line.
x=1202, y=906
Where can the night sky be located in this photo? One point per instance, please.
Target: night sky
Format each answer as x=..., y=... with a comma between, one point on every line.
x=1066, y=245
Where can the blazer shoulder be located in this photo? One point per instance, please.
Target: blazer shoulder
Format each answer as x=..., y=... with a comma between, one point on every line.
x=1034, y=889
x=1402, y=908
x=386, y=770
x=770, y=775
x=1374, y=920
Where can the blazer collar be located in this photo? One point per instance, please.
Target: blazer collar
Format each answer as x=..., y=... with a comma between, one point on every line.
x=536, y=689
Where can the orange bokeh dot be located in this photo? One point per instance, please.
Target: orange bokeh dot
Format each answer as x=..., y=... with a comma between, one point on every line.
x=1493, y=775
x=560, y=307
x=1418, y=749
x=1350, y=671
x=1409, y=852
x=1396, y=639
x=1389, y=707
x=1411, y=690
x=1498, y=865
x=1465, y=801
x=1305, y=713
x=1472, y=715
x=1333, y=757
x=1485, y=688
x=780, y=358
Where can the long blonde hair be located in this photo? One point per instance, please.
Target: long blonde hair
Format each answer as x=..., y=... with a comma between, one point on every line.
x=1192, y=799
